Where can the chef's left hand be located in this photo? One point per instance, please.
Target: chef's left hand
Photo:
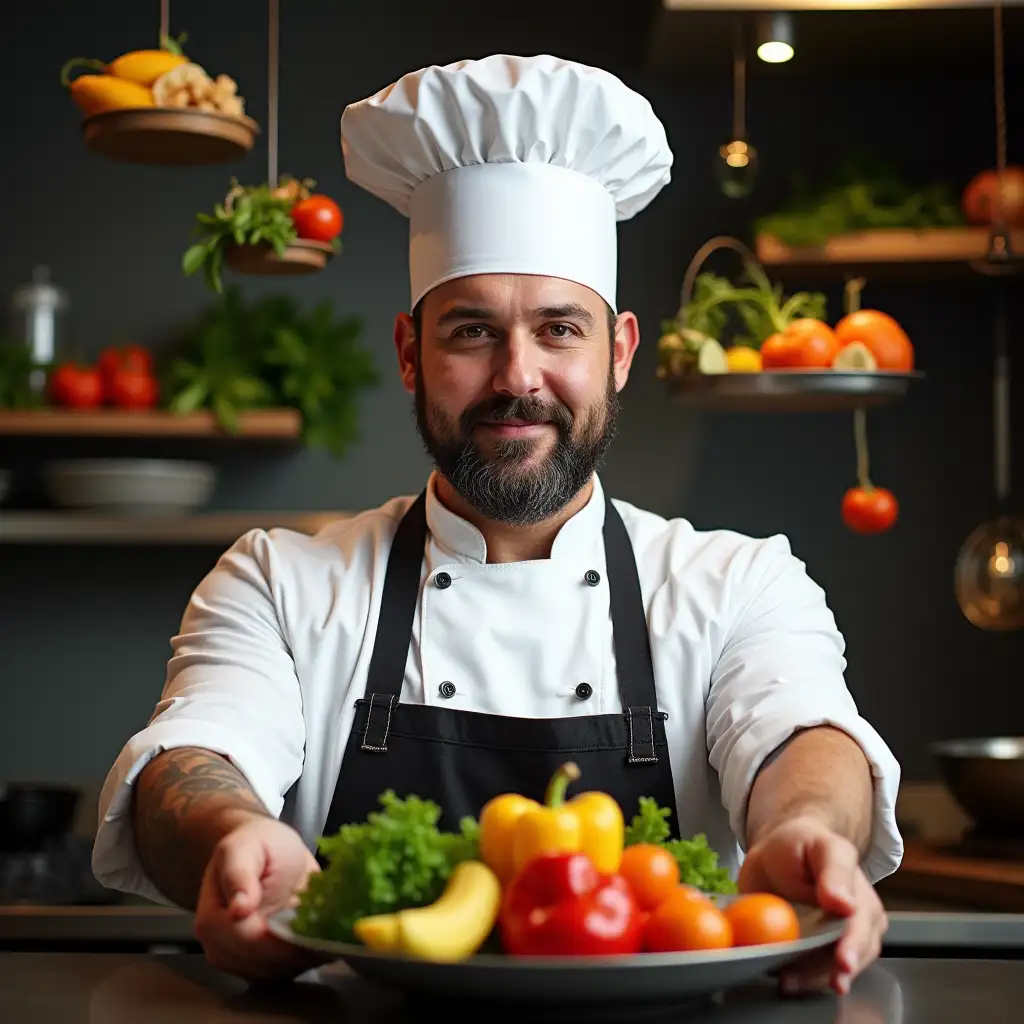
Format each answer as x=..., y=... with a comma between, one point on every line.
x=803, y=860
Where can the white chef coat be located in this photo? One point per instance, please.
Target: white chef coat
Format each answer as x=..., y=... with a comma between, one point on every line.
x=275, y=644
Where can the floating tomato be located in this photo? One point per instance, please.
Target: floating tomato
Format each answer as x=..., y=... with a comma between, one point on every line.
x=881, y=335
x=869, y=509
x=317, y=218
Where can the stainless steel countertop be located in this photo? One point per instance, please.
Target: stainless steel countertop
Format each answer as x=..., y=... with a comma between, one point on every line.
x=166, y=925
x=40, y=988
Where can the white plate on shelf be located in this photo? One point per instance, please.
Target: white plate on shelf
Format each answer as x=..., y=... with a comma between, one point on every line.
x=639, y=978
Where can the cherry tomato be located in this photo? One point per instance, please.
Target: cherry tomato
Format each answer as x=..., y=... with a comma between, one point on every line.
x=318, y=218
x=652, y=873
x=870, y=509
x=129, y=389
x=761, y=917
x=684, y=922
x=804, y=345
x=76, y=387
x=127, y=357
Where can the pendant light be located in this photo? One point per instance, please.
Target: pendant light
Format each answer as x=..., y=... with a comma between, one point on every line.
x=737, y=159
x=775, y=37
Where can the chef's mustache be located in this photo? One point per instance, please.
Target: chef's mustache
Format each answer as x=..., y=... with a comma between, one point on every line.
x=527, y=409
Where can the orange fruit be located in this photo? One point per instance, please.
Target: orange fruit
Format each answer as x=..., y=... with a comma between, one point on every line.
x=881, y=335
x=761, y=917
x=684, y=922
x=652, y=873
x=804, y=345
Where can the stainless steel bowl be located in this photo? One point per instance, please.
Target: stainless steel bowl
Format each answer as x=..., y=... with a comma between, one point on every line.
x=987, y=778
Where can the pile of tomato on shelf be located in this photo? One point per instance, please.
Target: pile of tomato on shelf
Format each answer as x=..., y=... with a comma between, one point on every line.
x=122, y=377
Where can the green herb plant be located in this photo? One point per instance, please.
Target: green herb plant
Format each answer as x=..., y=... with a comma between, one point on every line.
x=698, y=863
x=397, y=859
x=16, y=369
x=249, y=215
x=862, y=194
x=238, y=357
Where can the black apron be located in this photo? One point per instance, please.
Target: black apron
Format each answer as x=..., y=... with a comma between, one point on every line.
x=460, y=759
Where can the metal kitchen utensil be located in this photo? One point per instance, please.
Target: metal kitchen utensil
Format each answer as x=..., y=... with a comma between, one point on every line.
x=36, y=307
x=989, y=572
x=642, y=978
x=987, y=778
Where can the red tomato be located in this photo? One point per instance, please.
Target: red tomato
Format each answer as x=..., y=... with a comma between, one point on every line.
x=687, y=924
x=869, y=510
x=76, y=387
x=805, y=345
x=127, y=357
x=129, y=389
x=981, y=195
x=317, y=218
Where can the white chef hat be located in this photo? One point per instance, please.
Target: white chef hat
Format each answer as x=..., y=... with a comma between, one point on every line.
x=515, y=165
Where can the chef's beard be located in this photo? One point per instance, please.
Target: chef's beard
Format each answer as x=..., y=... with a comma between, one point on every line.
x=509, y=484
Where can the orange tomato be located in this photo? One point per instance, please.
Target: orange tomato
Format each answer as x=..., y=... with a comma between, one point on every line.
x=805, y=345
x=882, y=335
x=652, y=873
x=761, y=917
x=683, y=922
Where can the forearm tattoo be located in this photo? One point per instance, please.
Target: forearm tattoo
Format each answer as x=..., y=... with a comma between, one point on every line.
x=178, y=814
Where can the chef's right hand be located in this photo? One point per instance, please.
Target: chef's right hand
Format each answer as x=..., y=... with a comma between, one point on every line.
x=255, y=870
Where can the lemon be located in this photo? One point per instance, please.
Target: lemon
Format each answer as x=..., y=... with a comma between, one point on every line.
x=743, y=359
x=855, y=356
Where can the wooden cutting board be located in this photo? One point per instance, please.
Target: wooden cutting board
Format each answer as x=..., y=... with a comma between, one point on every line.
x=939, y=873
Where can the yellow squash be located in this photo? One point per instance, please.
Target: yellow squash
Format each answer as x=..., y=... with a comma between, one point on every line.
x=514, y=829
x=144, y=67
x=451, y=928
x=96, y=94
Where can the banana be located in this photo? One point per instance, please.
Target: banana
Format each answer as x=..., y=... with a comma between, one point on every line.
x=452, y=928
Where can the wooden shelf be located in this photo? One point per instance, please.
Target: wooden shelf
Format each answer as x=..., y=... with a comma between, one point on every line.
x=281, y=424
x=927, y=254
x=47, y=527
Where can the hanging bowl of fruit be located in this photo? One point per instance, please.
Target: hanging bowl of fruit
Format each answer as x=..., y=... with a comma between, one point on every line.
x=158, y=107
x=743, y=345
x=287, y=229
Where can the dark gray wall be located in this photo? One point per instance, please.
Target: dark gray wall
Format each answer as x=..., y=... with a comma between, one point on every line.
x=84, y=631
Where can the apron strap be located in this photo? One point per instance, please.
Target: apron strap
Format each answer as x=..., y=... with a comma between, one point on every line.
x=633, y=661
x=398, y=607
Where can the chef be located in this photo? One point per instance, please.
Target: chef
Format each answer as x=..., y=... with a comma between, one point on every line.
x=467, y=640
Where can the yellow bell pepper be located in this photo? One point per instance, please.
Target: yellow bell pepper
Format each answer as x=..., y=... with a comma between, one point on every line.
x=515, y=829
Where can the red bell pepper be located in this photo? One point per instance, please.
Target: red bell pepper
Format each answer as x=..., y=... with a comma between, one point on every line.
x=560, y=905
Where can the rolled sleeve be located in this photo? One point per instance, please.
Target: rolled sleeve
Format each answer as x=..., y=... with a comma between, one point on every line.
x=781, y=671
x=231, y=688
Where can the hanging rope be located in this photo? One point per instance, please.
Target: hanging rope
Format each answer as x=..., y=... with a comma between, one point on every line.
x=1000, y=88
x=165, y=20
x=272, y=47
x=739, y=85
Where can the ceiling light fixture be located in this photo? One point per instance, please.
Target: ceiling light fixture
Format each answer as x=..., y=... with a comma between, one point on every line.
x=775, y=38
